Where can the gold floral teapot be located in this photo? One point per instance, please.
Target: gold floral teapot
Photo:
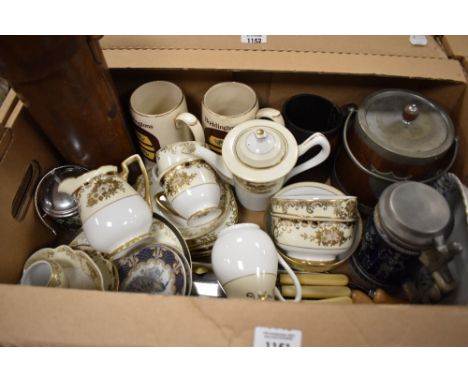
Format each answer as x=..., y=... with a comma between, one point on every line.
x=258, y=157
x=112, y=212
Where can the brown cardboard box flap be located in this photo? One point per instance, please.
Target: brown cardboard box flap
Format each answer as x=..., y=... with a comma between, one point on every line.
x=456, y=46
x=369, y=45
x=282, y=61
x=363, y=55
x=87, y=318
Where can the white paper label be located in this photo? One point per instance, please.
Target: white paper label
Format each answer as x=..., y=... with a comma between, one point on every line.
x=274, y=337
x=254, y=39
x=418, y=40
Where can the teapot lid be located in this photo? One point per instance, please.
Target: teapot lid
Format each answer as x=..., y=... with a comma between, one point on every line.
x=260, y=151
x=404, y=124
x=414, y=213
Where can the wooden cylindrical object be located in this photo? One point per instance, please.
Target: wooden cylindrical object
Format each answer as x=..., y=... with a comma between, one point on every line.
x=66, y=85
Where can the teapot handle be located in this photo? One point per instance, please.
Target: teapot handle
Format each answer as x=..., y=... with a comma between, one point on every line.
x=192, y=122
x=271, y=114
x=124, y=174
x=316, y=139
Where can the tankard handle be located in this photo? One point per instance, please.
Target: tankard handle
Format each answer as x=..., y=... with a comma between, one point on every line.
x=271, y=114
x=192, y=122
x=124, y=174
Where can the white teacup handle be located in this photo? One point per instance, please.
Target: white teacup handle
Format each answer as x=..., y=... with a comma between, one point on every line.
x=192, y=122
x=316, y=139
x=296, y=282
x=271, y=114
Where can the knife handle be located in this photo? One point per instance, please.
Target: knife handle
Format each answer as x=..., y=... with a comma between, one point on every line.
x=331, y=300
x=314, y=291
x=325, y=279
x=382, y=297
x=360, y=297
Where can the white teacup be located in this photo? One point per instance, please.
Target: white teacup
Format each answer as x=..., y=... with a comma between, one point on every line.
x=190, y=186
x=45, y=273
x=245, y=262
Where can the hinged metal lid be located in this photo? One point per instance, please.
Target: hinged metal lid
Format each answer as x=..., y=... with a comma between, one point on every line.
x=401, y=123
x=414, y=213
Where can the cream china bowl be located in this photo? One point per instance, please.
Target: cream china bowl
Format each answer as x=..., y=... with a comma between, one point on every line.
x=305, y=237
x=313, y=265
x=323, y=207
x=80, y=270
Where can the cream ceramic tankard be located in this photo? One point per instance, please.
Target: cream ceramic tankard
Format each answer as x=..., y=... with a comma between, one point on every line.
x=112, y=212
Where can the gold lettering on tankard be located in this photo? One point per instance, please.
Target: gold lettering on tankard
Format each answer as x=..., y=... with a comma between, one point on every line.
x=217, y=126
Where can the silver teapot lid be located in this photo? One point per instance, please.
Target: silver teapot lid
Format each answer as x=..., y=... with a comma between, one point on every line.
x=49, y=199
x=414, y=214
x=400, y=124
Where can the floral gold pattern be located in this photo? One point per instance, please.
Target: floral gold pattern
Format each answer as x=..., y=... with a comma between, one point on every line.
x=338, y=208
x=257, y=188
x=56, y=277
x=183, y=148
x=324, y=234
x=262, y=296
x=102, y=188
x=177, y=181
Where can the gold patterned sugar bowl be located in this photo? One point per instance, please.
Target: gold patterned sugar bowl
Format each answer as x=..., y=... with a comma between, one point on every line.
x=321, y=207
x=313, y=222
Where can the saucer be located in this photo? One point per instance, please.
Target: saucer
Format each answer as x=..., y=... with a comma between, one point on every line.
x=109, y=272
x=310, y=189
x=203, y=233
x=162, y=231
x=80, y=269
x=229, y=217
x=153, y=268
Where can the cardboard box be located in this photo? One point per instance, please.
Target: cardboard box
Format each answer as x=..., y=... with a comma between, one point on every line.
x=456, y=46
x=343, y=69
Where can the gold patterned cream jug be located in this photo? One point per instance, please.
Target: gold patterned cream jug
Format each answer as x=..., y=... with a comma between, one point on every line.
x=112, y=212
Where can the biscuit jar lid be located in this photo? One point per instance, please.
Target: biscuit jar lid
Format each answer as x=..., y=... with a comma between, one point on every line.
x=414, y=214
x=260, y=150
x=403, y=124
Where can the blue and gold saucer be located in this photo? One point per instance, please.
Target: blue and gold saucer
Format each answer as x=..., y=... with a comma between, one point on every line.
x=154, y=268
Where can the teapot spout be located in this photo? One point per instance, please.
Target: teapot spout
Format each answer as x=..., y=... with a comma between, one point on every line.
x=215, y=161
